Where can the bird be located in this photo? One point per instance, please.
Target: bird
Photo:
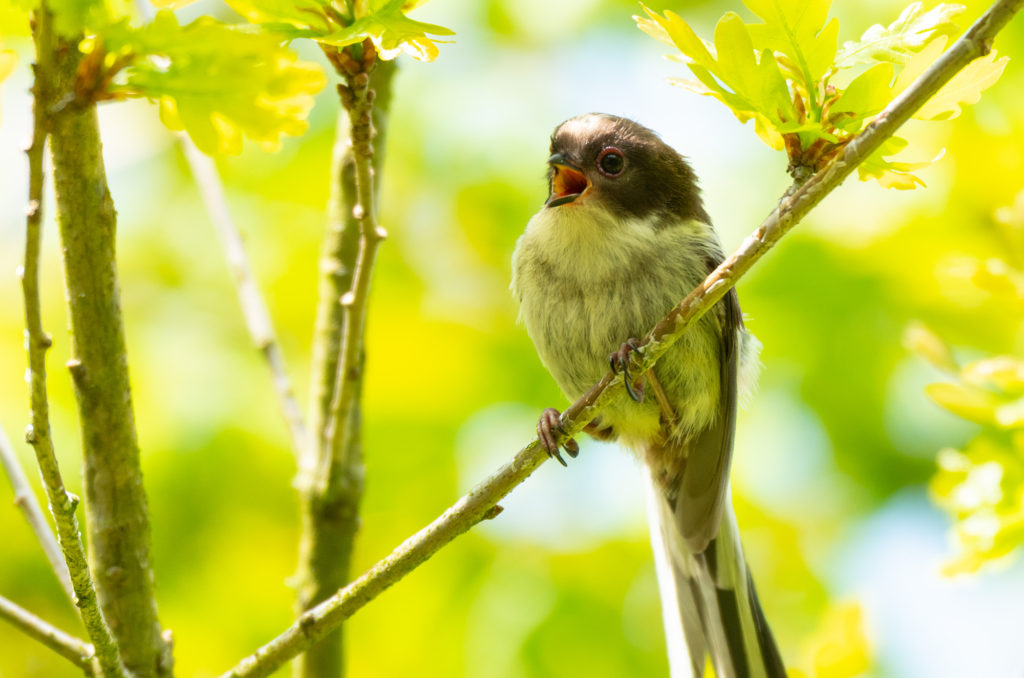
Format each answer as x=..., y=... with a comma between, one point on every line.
x=622, y=238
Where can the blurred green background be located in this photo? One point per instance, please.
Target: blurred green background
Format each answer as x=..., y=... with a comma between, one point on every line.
x=833, y=454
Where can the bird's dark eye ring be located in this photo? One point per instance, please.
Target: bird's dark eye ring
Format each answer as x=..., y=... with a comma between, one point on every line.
x=611, y=162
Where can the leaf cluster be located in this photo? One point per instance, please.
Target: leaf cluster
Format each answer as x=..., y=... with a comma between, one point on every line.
x=807, y=96
x=215, y=81
x=341, y=23
x=220, y=82
x=982, y=485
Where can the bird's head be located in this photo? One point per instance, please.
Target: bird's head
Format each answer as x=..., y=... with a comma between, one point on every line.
x=616, y=164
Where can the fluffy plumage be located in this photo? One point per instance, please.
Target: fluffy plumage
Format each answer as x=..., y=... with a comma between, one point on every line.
x=618, y=244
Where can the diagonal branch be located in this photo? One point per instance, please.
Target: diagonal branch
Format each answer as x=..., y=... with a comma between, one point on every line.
x=481, y=502
x=75, y=650
x=25, y=499
x=254, y=308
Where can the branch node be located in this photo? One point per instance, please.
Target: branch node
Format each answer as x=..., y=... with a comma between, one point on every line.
x=493, y=512
x=77, y=369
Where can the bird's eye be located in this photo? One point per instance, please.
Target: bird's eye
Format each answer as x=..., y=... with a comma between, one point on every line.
x=610, y=162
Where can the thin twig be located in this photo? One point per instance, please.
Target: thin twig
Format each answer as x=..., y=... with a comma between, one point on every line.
x=358, y=101
x=75, y=650
x=331, y=477
x=254, y=308
x=475, y=506
x=25, y=499
x=62, y=503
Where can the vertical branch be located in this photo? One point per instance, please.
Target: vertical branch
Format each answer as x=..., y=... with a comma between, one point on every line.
x=25, y=499
x=331, y=491
x=118, y=519
x=62, y=503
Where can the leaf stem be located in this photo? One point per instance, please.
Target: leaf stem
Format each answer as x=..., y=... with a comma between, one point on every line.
x=480, y=501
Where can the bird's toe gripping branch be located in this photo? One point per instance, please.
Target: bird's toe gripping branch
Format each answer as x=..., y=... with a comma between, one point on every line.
x=549, y=428
x=620, y=361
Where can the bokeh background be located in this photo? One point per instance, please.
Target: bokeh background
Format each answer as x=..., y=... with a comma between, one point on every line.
x=833, y=456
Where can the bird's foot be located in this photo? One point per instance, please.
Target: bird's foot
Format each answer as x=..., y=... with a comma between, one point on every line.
x=619, y=361
x=549, y=427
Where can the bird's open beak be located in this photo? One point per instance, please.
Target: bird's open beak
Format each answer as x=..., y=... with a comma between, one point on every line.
x=568, y=182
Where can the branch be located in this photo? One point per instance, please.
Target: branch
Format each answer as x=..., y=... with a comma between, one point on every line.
x=254, y=309
x=331, y=473
x=117, y=516
x=62, y=503
x=481, y=502
x=357, y=98
x=25, y=499
x=77, y=651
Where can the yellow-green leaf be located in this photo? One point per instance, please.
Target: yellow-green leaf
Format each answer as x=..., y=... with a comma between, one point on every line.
x=301, y=13
x=920, y=339
x=1004, y=372
x=966, y=401
x=889, y=173
x=965, y=88
x=897, y=42
x=839, y=648
x=217, y=83
x=679, y=34
x=822, y=50
x=792, y=27
x=866, y=95
x=392, y=32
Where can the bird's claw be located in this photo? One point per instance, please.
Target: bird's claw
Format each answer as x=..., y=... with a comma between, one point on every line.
x=619, y=361
x=549, y=427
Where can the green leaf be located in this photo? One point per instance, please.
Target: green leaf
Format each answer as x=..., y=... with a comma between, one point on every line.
x=965, y=88
x=889, y=173
x=866, y=95
x=217, y=82
x=900, y=40
x=968, y=402
x=792, y=28
x=1003, y=372
x=302, y=13
x=679, y=34
x=823, y=50
x=982, y=487
x=752, y=87
x=392, y=33
x=920, y=339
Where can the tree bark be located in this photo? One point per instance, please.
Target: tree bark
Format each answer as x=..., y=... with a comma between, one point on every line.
x=116, y=510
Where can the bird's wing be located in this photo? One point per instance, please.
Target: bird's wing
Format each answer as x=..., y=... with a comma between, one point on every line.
x=702, y=490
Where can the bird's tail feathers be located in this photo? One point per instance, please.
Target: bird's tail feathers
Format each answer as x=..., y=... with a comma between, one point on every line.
x=709, y=605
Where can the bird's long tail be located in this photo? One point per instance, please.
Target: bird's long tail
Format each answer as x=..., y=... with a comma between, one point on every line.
x=709, y=604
